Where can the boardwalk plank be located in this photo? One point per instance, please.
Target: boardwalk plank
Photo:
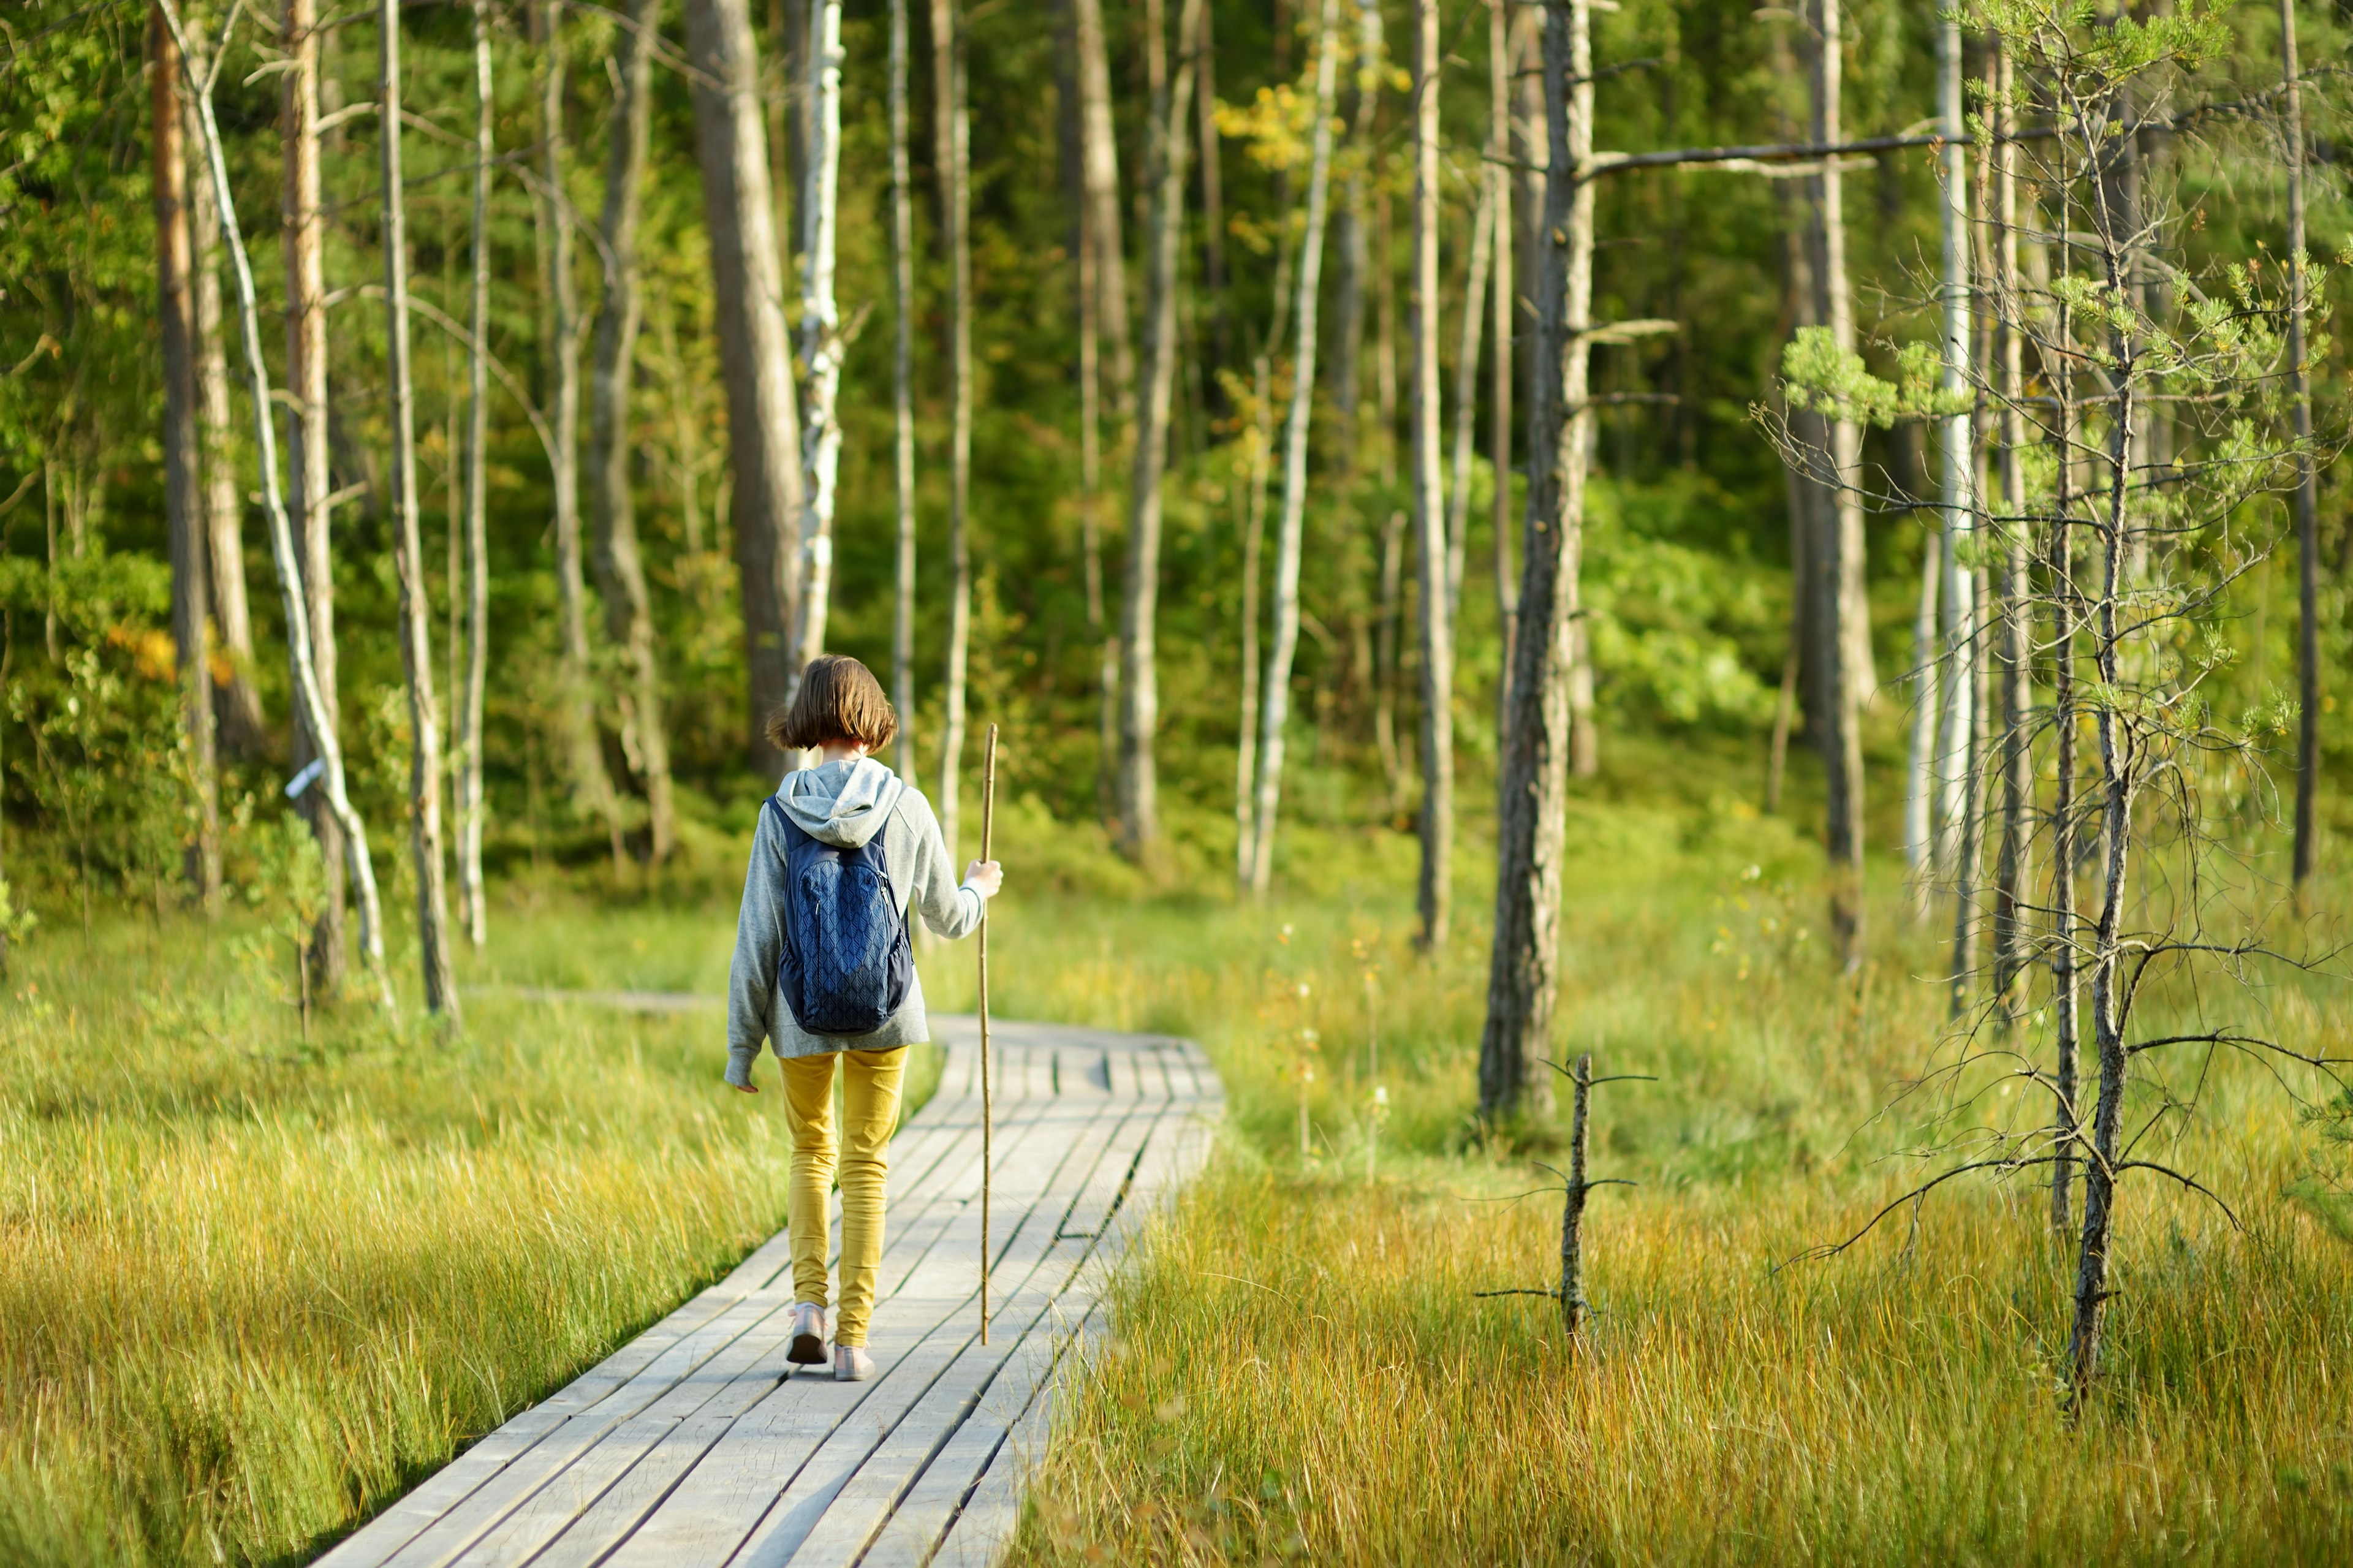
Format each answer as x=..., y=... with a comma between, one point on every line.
x=692, y=1446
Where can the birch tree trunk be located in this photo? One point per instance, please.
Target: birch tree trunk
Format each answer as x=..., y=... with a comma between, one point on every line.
x=1466, y=397
x=408, y=555
x=821, y=340
x=1274, y=692
x=1213, y=204
x=1351, y=235
x=302, y=228
x=1524, y=971
x=1957, y=503
x=575, y=713
x=952, y=120
x=1090, y=525
x=239, y=725
x=620, y=564
x=1099, y=150
x=1920, y=765
x=2015, y=651
x=1847, y=642
x=312, y=705
x=1501, y=59
x=903, y=396
x=1139, y=812
x=2308, y=485
x=1261, y=442
x=755, y=358
x=1433, y=560
x=473, y=905
x=176, y=320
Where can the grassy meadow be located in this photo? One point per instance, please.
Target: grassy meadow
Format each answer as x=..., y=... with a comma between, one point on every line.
x=256, y=1283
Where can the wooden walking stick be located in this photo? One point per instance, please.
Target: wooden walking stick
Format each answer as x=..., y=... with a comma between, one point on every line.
x=988, y=823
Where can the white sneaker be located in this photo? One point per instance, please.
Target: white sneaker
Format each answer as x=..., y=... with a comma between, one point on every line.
x=851, y=1364
x=807, y=1348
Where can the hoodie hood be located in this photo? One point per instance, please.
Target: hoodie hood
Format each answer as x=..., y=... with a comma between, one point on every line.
x=843, y=803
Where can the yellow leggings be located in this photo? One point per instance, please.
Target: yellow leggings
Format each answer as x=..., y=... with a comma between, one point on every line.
x=870, y=1096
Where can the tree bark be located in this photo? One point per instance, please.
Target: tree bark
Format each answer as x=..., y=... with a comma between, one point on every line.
x=1139, y=813
x=619, y=562
x=471, y=695
x=239, y=726
x=953, y=121
x=176, y=323
x=1840, y=561
x=903, y=396
x=303, y=233
x=821, y=340
x=408, y=556
x=755, y=358
x=1501, y=57
x=1261, y=442
x=2015, y=653
x=1524, y=971
x=1099, y=147
x=1351, y=235
x=575, y=713
x=1274, y=692
x=1433, y=558
x=1466, y=397
x=2307, y=489
x=1213, y=209
x=311, y=705
x=1920, y=766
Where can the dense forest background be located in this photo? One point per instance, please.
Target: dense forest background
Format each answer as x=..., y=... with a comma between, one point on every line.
x=1688, y=555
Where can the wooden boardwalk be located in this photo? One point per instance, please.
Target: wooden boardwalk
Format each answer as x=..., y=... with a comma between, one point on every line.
x=693, y=1446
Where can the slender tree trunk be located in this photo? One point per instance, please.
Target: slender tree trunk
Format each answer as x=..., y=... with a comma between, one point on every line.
x=2066, y=1025
x=1274, y=692
x=754, y=355
x=303, y=230
x=1091, y=526
x=620, y=564
x=1524, y=966
x=408, y=556
x=1351, y=233
x=2016, y=653
x=1099, y=147
x=952, y=116
x=1957, y=502
x=1213, y=207
x=470, y=696
x=1920, y=767
x=177, y=322
x=240, y=728
x=2108, y=977
x=1261, y=442
x=1139, y=813
x=1433, y=559
x=576, y=711
x=821, y=340
x=1501, y=59
x=2308, y=485
x=311, y=704
x=1466, y=398
x=1847, y=688
x=902, y=394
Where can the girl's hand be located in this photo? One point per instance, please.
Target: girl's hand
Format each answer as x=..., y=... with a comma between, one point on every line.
x=985, y=878
x=745, y=1088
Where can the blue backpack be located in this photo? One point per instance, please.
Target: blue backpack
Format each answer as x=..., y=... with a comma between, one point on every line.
x=846, y=965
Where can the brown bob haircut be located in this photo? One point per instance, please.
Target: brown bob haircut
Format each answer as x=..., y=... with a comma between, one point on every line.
x=839, y=701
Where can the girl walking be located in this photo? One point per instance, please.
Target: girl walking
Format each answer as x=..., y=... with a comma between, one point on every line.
x=824, y=971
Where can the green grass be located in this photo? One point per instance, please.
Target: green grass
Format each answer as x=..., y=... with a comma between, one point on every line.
x=253, y=1287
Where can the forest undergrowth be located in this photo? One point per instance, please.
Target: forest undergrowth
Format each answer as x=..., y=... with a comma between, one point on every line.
x=258, y=1281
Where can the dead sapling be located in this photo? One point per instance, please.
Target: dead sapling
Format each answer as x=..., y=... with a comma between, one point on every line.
x=1575, y=1186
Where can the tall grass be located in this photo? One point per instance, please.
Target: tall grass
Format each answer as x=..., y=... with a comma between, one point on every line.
x=251, y=1287
x=1301, y=1365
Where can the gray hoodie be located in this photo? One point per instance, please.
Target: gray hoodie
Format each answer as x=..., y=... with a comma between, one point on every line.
x=846, y=804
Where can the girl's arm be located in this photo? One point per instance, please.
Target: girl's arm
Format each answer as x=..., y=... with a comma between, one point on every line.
x=950, y=908
x=759, y=939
